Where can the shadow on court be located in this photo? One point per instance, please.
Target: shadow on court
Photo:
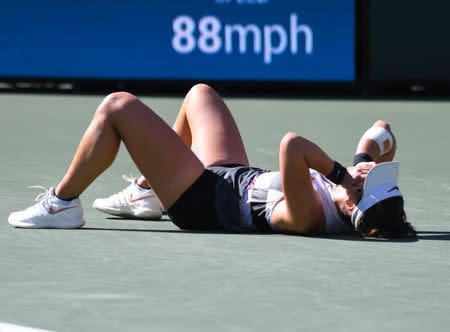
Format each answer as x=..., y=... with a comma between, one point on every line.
x=424, y=235
x=440, y=236
x=421, y=235
x=355, y=237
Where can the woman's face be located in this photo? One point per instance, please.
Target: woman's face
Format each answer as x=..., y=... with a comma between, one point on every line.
x=343, y=201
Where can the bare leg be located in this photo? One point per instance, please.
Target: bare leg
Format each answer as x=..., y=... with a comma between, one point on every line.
x=159, y=153
x=207, y=126
x=205, y=123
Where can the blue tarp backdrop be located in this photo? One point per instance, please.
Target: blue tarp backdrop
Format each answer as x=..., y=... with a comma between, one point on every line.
x=259, y=40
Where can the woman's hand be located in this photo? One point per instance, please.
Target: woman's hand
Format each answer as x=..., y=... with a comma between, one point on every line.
x=354, y=179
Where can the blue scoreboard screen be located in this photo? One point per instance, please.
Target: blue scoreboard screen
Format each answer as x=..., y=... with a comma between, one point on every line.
x=221, y=40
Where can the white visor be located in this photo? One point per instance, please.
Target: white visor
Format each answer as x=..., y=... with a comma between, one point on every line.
x=381, y=183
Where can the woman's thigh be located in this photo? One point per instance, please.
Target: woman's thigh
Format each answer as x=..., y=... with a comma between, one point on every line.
x=215, y=137
x=159, y=153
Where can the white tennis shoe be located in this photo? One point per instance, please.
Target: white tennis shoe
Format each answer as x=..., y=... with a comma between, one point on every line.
x=132, y=202
x=49, y=212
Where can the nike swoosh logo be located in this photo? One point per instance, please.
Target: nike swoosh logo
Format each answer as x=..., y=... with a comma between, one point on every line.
x=51, y=210
x=132, y=200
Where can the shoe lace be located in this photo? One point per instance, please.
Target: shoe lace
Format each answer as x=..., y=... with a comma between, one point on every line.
x=41, y=196
x=130, y=178
x=121, y=196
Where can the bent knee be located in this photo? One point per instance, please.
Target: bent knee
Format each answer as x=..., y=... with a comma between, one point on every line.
x=201, y=89
x=201, y=93
x=199, y=96
x=116, y=102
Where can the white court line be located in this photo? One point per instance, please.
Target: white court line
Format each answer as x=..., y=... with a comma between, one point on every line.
x=5, y=327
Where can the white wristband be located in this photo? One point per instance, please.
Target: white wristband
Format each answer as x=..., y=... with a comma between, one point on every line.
x=382, y=137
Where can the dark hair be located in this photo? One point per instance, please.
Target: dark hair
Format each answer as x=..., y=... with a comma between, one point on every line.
x=386, y=219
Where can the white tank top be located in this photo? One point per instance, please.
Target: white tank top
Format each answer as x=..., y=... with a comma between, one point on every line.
x=324, y=188
x=267, y=190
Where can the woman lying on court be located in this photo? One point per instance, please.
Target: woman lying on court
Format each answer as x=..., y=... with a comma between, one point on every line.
x=201, y=175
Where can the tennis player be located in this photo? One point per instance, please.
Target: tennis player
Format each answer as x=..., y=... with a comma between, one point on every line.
x=199, y=172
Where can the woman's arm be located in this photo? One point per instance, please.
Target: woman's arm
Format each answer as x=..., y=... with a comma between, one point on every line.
x=381, y=151
x=301, y=210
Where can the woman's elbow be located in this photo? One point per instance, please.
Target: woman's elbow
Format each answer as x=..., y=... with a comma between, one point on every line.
x=291, y=142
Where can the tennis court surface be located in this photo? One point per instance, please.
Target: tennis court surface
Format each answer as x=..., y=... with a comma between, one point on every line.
x=129, y=275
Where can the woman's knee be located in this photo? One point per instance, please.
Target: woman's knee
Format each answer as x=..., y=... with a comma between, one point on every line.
x=201, y=94
x=116, y=102
x=202, y=98
x=201, y=90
